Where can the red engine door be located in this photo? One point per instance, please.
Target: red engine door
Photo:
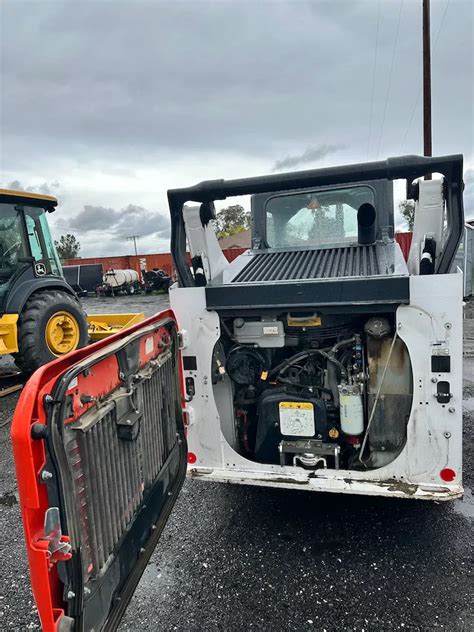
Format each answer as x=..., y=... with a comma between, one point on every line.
x=100, y=454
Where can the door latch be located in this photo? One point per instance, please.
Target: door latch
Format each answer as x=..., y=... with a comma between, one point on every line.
x=57, y=545
x=443, y=394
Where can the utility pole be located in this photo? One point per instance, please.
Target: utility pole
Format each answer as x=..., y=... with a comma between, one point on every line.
x=134, y=239
x=427, y=138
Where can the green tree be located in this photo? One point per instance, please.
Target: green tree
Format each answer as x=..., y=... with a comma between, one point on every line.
x=232, y=220
x=407, y=210
x=67, y=247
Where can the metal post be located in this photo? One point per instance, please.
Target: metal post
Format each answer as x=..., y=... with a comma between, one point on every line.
x=134, y=239
x=427, y=137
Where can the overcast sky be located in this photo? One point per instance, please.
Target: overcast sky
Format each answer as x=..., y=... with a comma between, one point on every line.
x=107, y=104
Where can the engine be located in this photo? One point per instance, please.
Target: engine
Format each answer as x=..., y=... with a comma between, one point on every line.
x=317, y=391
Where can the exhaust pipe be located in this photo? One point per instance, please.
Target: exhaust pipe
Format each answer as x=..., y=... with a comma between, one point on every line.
x=366, y=229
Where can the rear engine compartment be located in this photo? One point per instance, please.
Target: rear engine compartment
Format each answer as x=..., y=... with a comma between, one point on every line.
x=314, y=390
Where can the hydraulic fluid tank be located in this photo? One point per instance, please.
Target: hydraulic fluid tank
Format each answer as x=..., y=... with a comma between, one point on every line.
x=117, y=278
x=351, y=409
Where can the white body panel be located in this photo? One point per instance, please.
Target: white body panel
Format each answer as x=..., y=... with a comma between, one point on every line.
x=203, y=243
x=431, y=323
x=429, y=217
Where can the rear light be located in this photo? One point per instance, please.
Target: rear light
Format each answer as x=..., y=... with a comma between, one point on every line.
x=448, y=474
x=192, y=458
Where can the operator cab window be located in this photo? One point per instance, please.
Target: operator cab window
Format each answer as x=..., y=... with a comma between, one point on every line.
x=315, y=218
x=10, y=241
x=11, y=247
x=41, y=243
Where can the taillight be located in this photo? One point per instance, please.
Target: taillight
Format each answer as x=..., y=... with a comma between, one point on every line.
x=192, y=458
x=448, y=474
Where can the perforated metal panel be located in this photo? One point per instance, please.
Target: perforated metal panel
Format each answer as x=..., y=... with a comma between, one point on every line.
x=351, y=261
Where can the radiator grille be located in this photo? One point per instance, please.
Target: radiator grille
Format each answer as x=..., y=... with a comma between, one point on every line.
x=111, y=475
x=351, y=261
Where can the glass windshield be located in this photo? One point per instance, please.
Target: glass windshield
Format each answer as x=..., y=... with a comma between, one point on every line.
x=315, y=218
x=40, y=240
x=11, y=245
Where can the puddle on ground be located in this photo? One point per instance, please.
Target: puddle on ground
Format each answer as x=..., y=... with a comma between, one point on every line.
x=465, y=507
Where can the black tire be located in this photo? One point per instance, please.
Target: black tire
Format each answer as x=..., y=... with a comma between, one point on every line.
x=40, y=307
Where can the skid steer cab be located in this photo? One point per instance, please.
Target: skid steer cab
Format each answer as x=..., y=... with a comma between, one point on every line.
x=40, y=316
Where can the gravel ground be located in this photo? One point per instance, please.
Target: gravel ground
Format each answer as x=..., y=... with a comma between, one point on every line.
x=235, y=558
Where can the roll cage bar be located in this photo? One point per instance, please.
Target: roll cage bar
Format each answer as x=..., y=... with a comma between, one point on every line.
x=404, y=167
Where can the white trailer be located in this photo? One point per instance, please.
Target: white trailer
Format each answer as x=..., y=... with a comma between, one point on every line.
x=116, y=281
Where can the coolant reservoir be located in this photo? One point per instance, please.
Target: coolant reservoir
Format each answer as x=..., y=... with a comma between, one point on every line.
x=351, y=409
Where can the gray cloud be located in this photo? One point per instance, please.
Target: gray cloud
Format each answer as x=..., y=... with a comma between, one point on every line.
x=46, y=188
x=311, y=154
x=228, y=76
x=91, y=218
x=130, y=220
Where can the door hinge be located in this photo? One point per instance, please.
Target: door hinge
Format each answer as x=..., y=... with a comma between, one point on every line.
x=189, y=416
x=183, y=339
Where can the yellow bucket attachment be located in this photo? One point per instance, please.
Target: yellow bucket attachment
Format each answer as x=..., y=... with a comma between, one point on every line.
x=103, y=325
x=8, y=334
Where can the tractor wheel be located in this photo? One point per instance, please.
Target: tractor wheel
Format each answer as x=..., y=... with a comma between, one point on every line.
x=51, y=324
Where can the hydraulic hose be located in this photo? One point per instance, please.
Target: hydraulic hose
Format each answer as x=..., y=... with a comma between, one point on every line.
x=306, y=354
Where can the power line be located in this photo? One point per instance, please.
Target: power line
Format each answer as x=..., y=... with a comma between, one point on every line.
x=421, y=89
x=390, y=77
x=373, y=81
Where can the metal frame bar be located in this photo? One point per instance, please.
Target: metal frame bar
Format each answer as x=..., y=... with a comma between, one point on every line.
x=403, y=167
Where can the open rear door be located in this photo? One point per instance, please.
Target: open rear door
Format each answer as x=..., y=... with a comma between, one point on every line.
x=100, y=452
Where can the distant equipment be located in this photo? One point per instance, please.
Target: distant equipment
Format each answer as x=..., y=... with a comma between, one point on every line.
x=156, y=280
x=83, y=278
x=117, y=281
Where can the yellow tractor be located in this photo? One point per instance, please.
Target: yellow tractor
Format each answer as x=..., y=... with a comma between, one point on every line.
x=40, y=315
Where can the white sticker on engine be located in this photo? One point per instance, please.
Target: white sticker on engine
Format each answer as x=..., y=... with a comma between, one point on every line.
x=149, y=345
x=270, y=330
x=297, y=419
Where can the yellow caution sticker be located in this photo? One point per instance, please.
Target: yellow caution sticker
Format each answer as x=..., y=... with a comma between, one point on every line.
x=264, y=375
x=297, y=405
x=297, y=419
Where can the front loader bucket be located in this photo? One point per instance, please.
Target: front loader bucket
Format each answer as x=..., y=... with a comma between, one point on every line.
x=103, y=325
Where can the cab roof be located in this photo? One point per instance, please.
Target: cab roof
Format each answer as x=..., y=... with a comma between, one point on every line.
x=9, y=196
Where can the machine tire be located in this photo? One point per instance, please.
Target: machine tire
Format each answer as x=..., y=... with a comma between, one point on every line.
x=40, y=309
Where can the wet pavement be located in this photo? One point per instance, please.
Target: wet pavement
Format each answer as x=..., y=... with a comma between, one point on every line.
x=243, y=558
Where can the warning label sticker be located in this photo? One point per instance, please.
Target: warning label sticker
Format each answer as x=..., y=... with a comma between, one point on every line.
x=297, y=419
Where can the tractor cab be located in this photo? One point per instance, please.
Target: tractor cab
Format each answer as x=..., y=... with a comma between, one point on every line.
x=26, y=245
